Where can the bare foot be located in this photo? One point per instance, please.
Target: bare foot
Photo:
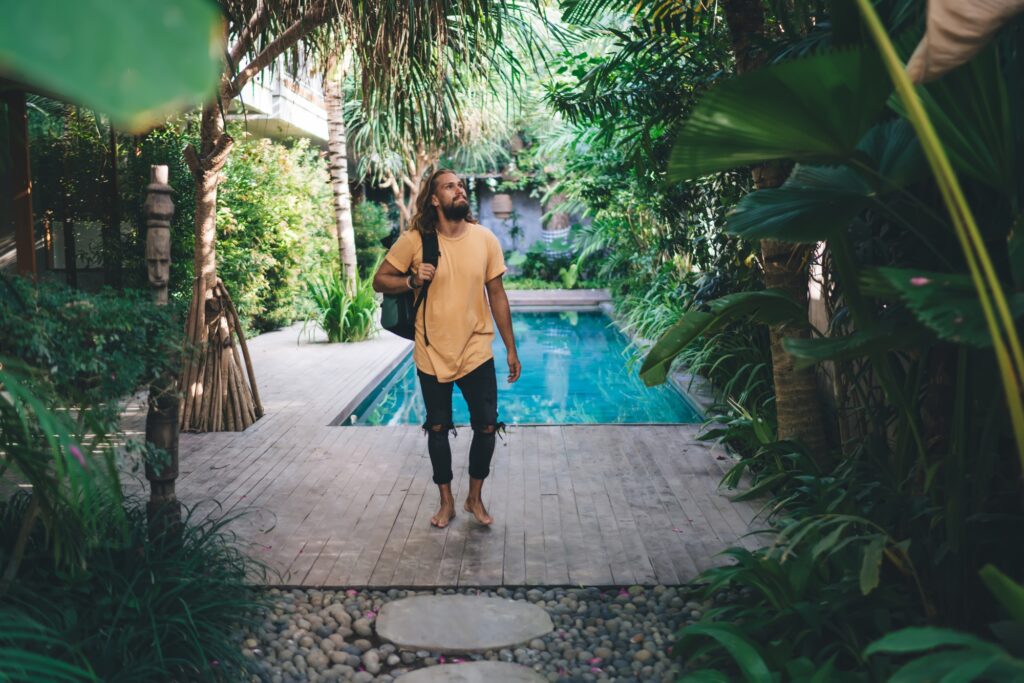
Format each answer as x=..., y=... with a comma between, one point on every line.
x=479, y=511
x=444, y=514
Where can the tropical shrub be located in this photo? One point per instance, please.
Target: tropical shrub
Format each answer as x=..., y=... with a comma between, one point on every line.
x=895, y=510
x=273, y=224
x=88, y=592
x=346, y=316
x=88, y=351
x=885, y=528
x=138, y=605
x=533, y=283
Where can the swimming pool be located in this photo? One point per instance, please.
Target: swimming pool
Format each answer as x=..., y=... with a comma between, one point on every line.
x=574, y=372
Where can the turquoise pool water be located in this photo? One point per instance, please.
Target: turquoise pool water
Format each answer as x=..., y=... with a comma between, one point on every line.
x=574, y=372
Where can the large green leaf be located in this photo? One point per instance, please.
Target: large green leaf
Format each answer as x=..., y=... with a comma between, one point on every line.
x=818, y=200
x=971, y=113
x=887, y=336
x=871, y=564
x=892, y=150
x=810, y=110
x=769, y=306
x=736, y=643
x=814, y=203
x=947, y=303
x=136, y=62
x=957, y=666
x=1008, y=592
x=921, y=638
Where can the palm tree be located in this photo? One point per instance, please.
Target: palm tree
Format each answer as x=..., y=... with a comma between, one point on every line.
x=396, y=149
x=337, y=162
x=396, y=44
x=797, y=403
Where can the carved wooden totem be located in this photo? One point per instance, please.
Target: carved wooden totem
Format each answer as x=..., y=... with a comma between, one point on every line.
x=163, y=508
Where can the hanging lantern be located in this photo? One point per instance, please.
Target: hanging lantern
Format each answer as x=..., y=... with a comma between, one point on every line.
x=501, y=206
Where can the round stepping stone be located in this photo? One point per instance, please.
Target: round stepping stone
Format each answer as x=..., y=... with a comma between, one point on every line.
x=460, y=623
x=474, y=672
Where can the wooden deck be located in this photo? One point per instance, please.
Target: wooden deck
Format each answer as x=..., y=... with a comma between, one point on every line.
x=350, y=506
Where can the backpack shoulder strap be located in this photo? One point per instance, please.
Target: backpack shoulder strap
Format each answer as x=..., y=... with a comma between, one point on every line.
x=430, y=248
x=431, y=252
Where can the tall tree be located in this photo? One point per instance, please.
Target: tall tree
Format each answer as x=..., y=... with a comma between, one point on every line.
x=337, y=161
x=797, y=402
x=396, y=43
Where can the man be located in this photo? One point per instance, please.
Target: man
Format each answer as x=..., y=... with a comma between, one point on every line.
x=454, y=330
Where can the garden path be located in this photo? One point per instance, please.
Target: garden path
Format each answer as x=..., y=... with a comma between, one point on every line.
x=350, y=506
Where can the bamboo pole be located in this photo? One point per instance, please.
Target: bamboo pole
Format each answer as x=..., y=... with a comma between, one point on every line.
x=237, y=323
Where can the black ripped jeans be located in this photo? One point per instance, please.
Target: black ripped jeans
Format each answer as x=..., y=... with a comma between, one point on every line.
x=480, y=389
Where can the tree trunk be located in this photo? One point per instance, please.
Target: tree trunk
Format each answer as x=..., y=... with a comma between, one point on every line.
x=67, y=222
x=217, y=395
x=337, y=158
x=111, y=235
x=797, y=403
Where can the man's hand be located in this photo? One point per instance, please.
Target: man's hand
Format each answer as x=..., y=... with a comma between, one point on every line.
x=425, y=273
x=513, y=366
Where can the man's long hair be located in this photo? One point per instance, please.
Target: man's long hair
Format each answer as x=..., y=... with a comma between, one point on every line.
x=426, y=217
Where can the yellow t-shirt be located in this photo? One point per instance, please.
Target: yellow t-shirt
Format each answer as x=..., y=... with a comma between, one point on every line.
x=458, y=315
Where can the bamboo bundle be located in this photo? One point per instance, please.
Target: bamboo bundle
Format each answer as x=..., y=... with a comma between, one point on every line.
x=218, y=396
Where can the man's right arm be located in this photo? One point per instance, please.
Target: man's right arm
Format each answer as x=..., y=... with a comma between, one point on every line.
x=390, y=280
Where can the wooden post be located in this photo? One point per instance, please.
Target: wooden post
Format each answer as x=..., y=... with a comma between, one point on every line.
x=21, y=174
x=163, y=509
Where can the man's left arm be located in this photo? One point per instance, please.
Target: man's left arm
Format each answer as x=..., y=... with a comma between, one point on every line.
x=502, y=314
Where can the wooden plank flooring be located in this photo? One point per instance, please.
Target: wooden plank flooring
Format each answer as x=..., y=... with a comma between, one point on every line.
x=350, y=506
x=580, y=504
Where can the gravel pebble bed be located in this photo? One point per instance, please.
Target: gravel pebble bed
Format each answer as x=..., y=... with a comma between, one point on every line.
x=600, y=634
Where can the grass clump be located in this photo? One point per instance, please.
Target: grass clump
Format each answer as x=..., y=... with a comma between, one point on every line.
x=344, y=315
x=136, y=609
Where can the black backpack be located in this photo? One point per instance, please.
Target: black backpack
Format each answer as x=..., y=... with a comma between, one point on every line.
x=398, y=311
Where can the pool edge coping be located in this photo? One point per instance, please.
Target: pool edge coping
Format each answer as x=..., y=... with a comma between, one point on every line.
x=368, y=388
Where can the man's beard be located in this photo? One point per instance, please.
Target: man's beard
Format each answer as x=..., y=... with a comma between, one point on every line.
x=456, y=212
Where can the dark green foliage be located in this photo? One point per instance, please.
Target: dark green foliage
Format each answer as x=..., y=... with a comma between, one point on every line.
x=136, y=608
x=372, y=224
x=67, y=479
x=530, y=283
x=274, y=209
x=922, y=487
x=538, y=264
x=768, y=306
x=794, y=122
x=90, y=350
x=30, y=651
x=93, y=597
x=273, y=226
